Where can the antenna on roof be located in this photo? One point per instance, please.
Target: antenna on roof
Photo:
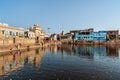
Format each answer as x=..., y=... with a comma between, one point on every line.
x=48, y=29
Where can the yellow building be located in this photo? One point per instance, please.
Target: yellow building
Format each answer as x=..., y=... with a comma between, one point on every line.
x=39, y=33
x=15, y=35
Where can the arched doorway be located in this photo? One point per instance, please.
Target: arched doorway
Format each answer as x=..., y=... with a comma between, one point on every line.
x=37, y=40
x=13, y=40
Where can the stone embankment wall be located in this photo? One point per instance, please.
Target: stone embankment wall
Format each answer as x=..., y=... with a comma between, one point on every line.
x=17, y=41
x=49, y=43
x=85, y=42
x=28, y=44
x=16, y=47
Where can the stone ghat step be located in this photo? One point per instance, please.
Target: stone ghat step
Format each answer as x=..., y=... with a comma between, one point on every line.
x=15, y=49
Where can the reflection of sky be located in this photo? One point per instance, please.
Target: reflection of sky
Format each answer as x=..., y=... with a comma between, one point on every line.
x=102, y=65
x=102, y=55
x=119, y=55
x=64, y=66
x=94, y=52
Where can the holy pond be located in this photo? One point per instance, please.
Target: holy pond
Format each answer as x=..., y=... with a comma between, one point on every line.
x=62, y=62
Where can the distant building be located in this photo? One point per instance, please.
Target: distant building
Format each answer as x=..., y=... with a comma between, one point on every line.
x=83, y=36
x=39, y=33
x=15, y=35
x=47, y=35
x=53, y=37
x=100, y=35
x=10, y=35
x=11, y=32
x=29, y=34
x=66, y=36
x=112, y=35
x=84, y=32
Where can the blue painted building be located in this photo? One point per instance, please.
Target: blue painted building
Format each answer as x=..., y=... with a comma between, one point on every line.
x=83, y=36
x=100, y=35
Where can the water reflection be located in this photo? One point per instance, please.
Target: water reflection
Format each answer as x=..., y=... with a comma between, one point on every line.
x=112, y=51
x=62, y=62
x=84, y=62
x=14, y=61
x=86, y=51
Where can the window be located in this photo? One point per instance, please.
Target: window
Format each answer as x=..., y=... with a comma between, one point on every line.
x=10, y=32
x=16, y=33
x=2, y=31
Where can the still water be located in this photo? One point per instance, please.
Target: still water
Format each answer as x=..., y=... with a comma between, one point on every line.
x=64, y=62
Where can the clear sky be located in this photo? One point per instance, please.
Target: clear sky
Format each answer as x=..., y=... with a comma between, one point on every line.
x=62, y=14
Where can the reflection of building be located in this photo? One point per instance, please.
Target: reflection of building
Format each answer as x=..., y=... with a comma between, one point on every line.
x=35, y=56
x=92, y=52
x=38, y=57
x=54, y=49
x=14, y=61
x=10, y=63
x=112, y=51
x=70, y=49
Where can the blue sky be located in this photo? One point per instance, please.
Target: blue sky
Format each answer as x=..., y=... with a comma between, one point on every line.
x=62, y=14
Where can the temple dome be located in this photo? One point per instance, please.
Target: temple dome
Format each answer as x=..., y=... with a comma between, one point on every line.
x=37, y=26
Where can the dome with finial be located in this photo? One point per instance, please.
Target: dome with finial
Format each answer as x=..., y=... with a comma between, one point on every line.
x=37, y=26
